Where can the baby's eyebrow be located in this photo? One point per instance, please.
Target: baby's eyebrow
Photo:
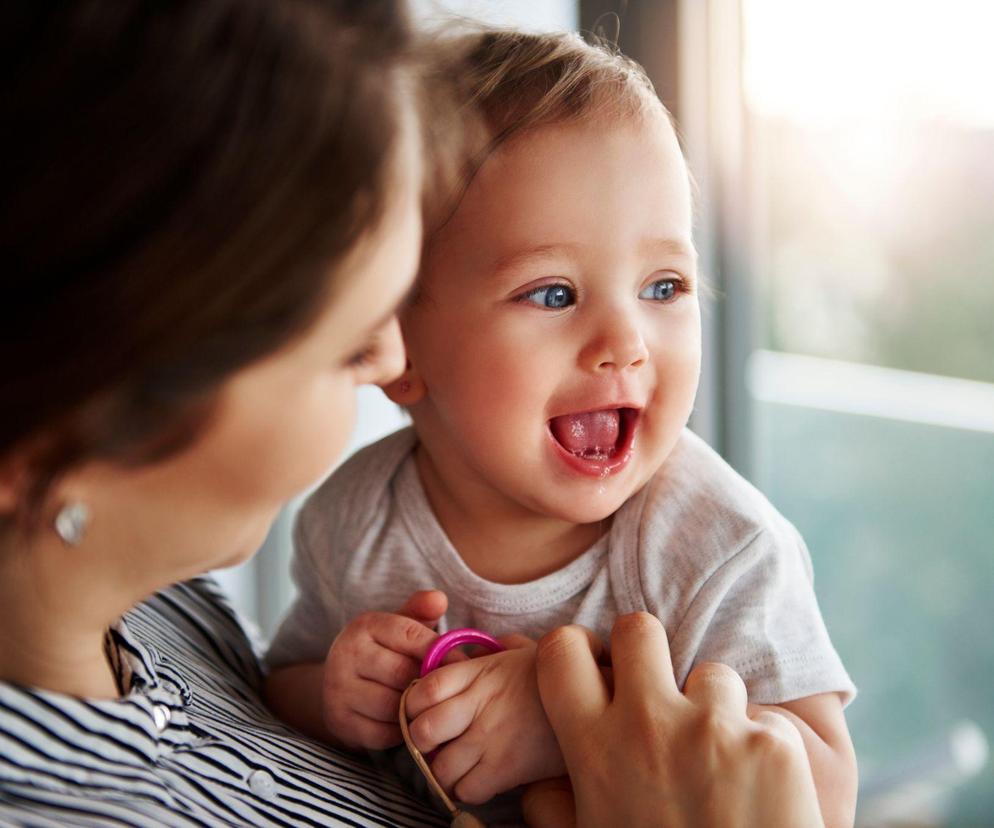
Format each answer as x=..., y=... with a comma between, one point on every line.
x=649, y=248
x=541, y=251
x=670, y=247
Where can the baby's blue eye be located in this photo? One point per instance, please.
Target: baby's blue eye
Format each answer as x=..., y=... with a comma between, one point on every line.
x=550, y=296
x=662, y=290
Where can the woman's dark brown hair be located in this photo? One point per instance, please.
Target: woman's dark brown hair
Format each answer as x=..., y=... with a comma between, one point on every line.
x=178, y=181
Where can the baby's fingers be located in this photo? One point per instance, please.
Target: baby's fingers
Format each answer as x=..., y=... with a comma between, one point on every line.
x=389, y=668
x=442, y=684
x=373, y=735
x=374, y=701
x=401, y=634
x=426, y=606
x=455, y=769
x=442, y=723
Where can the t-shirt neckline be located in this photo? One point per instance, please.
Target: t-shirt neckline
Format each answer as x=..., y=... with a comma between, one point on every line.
x=437, y=550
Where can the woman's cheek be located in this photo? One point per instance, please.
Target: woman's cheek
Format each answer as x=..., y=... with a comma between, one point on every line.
x=313, y=438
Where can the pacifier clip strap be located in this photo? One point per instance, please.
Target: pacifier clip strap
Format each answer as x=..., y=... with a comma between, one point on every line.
x=460, y=819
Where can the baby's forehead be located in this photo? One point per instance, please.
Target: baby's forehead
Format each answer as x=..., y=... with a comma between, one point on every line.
x=535, y=164
x=601, y=113
x=576, y=184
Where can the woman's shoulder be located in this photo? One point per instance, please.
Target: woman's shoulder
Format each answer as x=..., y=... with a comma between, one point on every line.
x=192, y=742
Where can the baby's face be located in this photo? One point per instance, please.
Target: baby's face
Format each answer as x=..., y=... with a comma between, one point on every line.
x=558, y=337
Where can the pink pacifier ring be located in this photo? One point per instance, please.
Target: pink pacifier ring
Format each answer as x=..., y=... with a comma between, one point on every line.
x=456, y=638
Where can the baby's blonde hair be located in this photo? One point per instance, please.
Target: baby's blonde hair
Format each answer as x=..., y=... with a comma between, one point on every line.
x=520, y=80
x=504, y=81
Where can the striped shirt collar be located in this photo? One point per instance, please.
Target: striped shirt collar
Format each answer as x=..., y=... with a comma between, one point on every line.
x=150, y=718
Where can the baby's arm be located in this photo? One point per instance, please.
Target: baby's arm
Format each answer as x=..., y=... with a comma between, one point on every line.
x=822, y=725
x=352, y=698
x=489, y=713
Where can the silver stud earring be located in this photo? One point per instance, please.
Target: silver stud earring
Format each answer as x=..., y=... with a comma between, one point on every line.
x=71, y=523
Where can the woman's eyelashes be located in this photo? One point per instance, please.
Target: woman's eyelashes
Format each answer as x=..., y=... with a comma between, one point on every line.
x=363, y=357
x=559, y=295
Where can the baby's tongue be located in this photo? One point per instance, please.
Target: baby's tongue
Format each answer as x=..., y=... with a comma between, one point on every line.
x=594, y=432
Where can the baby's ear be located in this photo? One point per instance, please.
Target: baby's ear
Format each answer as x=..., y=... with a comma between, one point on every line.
x=407, y=389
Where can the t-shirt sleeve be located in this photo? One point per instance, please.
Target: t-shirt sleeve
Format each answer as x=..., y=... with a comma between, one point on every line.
x=316, y=616
x=758, y=614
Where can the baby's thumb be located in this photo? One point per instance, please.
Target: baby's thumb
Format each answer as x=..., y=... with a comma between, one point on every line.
x=426, y=606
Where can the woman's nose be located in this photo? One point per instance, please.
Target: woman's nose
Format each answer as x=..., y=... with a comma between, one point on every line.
x=390, y=354
x=617, y=344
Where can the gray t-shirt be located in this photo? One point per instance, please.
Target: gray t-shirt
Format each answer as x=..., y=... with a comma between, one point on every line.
x=698, y=547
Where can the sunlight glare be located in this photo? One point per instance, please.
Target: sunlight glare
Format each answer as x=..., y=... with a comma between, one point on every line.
x=813, y=62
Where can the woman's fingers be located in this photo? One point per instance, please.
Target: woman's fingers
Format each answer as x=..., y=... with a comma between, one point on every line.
x=716, y=686
x=640, y=660
x=549, y=804
x=781, y=727
x=569, y=681
x=645, y=758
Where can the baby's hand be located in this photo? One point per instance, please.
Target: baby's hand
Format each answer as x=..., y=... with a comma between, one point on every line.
x=368, y=666
x=489, y=711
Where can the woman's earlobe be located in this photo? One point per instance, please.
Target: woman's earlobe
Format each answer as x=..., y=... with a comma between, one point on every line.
x=407, y=389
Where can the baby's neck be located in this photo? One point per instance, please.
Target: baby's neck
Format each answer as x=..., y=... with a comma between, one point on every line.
x=506, y=546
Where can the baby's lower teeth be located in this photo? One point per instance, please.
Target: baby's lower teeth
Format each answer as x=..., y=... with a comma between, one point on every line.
x=593, y=454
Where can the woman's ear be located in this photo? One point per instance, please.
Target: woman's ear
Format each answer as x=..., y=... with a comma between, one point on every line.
x=408, y=388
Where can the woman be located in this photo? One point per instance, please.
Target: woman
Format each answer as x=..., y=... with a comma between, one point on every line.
x=210, y=213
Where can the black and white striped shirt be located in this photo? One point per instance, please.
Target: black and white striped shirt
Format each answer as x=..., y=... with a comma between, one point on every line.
x=191, y=743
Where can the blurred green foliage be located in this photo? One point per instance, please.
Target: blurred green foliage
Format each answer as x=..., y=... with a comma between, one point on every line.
x=879, y=250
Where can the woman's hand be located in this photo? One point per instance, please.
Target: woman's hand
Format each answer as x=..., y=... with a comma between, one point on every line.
x=647, y=754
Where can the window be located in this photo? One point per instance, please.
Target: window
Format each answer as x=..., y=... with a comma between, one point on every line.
x=844, y=155
x=869, y=130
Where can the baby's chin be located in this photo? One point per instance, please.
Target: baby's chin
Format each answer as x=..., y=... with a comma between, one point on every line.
x=596, y=507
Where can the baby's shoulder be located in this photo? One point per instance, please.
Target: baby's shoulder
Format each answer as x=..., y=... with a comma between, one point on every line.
x=699, y=511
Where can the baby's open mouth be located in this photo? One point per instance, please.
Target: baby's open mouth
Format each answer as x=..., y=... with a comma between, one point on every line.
x=594, y=435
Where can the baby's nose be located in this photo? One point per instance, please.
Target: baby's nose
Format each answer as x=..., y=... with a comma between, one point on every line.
x=617, y=345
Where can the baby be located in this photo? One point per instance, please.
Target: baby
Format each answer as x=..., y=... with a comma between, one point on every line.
x=554, y=349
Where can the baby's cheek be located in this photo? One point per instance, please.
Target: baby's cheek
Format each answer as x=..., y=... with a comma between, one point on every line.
x=679, y=353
